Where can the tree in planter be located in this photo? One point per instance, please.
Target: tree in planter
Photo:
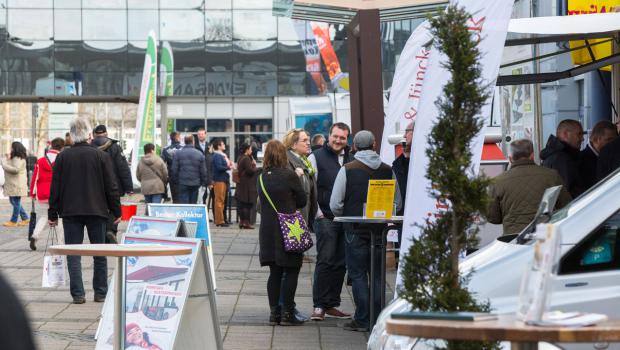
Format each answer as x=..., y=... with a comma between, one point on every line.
x=431, y=270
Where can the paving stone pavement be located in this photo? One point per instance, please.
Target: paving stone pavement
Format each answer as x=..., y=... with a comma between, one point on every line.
x=241, y=297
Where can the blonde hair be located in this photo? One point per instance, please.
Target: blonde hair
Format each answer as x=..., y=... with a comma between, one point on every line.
x=275, y=155
x=292, y=136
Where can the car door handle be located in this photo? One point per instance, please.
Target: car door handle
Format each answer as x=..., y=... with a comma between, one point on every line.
x=575, y=284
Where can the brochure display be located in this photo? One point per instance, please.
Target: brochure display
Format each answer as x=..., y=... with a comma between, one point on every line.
x=380, y=199
x=169, y=300
x=151, y=226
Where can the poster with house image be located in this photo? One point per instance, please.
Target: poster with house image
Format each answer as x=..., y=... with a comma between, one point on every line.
x=156, y=292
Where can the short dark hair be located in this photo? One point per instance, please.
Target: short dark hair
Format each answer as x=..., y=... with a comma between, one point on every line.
x=216, y=142
x=244, y=147
x=173, y=135
x=148, y=148
x=57, y=143
x=599, y=129
x=316, y=138
x=189, y=139
x=201, y=129
x=18, y=150
x=521, y=149
x=341, y=126
x=568, y=124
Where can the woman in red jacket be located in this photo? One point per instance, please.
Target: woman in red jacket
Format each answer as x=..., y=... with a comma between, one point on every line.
x=40, y=188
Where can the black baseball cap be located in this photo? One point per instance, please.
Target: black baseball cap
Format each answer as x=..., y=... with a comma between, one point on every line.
x=100, y=129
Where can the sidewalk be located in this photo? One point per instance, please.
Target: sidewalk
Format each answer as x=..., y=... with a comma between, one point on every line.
x=241, y=297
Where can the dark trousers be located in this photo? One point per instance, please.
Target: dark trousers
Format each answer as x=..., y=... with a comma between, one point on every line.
x=245, y=211
x=358, y=267
x=188, y=194
x=74, y=234
x=174, y=192
x=282, y=280
x=330, y=263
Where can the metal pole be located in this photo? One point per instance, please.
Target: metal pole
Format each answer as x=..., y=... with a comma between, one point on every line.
x=119, y=304
x=373, y=256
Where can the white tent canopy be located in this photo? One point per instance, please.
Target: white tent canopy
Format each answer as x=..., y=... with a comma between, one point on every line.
x=561, y=25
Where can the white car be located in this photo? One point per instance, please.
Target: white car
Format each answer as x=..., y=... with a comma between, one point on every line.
x=588, y=277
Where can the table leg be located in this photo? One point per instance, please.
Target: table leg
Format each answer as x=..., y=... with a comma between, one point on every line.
x=373, y=255
x=119, y=304
x=383, y=253
x=524, y=345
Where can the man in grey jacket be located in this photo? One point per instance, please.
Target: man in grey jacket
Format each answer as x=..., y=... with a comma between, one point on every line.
x=348, y=199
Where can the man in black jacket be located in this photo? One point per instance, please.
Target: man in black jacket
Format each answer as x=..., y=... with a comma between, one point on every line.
x=400, y=166
x=189, y=171
x=84, y=193
x=330, y=244
x=609, y=158
x=167, y=154
x=562, y=154
x=122, y=174
x=602, y=133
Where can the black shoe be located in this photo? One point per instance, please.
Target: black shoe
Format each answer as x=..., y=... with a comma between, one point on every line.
x=289, y=319
x=110, y=237
x=300, y=316
x=222, y=225
x=276, y=316
x=79, y=300
x=355, y=327
x=33, y=245
x=99, y=298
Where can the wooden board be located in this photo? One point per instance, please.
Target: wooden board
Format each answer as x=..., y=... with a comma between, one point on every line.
x=116, y=250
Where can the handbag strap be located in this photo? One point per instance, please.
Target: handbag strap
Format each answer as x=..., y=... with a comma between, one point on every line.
x=52, y=233
x=262, y=186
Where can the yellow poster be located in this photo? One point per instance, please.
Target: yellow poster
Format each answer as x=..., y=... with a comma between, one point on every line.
x=380, y=199
x=580, y=7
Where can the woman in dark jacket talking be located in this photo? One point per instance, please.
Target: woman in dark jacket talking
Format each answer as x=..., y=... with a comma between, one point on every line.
x=245, y=194
x=284, y=188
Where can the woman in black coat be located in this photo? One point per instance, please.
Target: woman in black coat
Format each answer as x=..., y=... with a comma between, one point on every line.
x=284, y=188
x=245, y=193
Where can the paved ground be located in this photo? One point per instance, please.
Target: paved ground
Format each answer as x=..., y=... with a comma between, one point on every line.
x=241, y=297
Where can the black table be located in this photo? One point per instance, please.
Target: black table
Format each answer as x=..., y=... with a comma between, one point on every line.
x=397, y=220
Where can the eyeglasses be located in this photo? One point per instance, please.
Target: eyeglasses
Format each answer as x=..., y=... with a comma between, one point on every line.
x=408, y=130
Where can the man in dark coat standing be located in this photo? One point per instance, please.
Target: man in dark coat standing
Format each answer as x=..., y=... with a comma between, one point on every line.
x=84, y=193
x=122, y=174
x=167, y=154
x=562, y=154
x=201, y=144
x=609, y=158
x=189, y=171
x=400, y=166
x=602, y=133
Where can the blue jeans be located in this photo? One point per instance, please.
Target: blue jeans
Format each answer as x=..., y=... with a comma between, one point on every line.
x=18, y=210
x=74, y=234
x=188, y=194
x=330, y=263
x=152, y=198
x=358, y=264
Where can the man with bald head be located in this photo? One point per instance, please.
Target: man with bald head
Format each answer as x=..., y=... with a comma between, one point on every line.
x=562, y=154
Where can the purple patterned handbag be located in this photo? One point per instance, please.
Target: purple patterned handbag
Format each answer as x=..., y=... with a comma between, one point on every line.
x=295, y=234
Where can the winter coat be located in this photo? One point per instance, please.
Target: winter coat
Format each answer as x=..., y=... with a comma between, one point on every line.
x=152, y=174
x=83, y=184
x=564, y=159
x=588, y=160
x=308, y=184
x=400, y=167
x=608, y=159
x=42, y=176
x=121, y=167
x=246, y=188
x=516, y=194
x=15, y=177
x=220, y=168
x=285, y=191
x=188, y=167
x=168, y=153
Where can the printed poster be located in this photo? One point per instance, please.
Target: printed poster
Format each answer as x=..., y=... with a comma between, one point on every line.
x=380, y=199
x=150, y=226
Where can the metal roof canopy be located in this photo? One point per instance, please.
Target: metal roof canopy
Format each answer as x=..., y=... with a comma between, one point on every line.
x=343, y=11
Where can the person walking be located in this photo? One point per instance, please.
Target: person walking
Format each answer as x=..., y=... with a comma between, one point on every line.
x=40, y=187
x=16, y=183
x=153, y=175
x=330, y=244
x=84, y=193
x=245, y=193
x=167, y=154
x=221, y=166
x=189, y=171
x=283, y=188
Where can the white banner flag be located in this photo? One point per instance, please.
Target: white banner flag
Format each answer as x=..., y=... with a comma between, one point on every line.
x=406, y=88
x=488, y=25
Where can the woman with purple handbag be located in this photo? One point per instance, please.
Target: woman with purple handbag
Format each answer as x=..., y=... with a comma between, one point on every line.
x=283, y=234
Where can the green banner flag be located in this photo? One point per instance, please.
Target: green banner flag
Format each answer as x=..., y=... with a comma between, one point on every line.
x=166, y=76
x=145, y=120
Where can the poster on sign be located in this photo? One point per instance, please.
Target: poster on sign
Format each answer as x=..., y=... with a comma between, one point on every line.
x=152, y=226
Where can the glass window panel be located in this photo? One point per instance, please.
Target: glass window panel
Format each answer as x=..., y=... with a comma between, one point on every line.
x=141, y=22
x=341, y=51
x=218, y=25
x=219, y=125
x=31, y=83
x=41, y=4
x=291, y=57
x=253, y=4
x=67, y=25
x=134, y=82
x=219, y=84
x=188, y=56
x=388, y=77
x=218, y=5
x=287, y=29
x=104, y=24
x=189, y=125
x=189, y=84
x=255, y=84
x=31, y=24
x=255, y=56
x=68, y=83
x=182, y=4
x=388, y=56
x=292, y=84
x=3, y=29
x=142, y=4
x=219, y=57
x=253, y=125
x=35, y=56
x=67, y=4
x=254, y=25
x=135, y=56
x=103, y=84
x=96, y=4
x=316, y=83
x=104, y=56
x=68, y=56
x=256, y=140
x=182, y=25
